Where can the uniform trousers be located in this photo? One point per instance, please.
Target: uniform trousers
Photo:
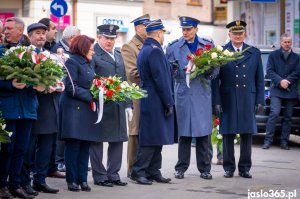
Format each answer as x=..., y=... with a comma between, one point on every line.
x=148, y=162
x=203, y=153
x=132, y=148
x=114, y=161
x=245, y=162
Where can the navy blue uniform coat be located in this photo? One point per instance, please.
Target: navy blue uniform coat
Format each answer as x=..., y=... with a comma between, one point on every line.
x=278, y=69
x=238, y=88
x=156, y=78
x=76, y=117
x=112, y=127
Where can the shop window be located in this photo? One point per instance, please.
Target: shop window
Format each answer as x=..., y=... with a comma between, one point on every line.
x=194, y=2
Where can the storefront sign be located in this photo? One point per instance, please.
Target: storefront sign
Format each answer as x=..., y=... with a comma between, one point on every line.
x=5, y=15
x=64, y=21
x=122, y=22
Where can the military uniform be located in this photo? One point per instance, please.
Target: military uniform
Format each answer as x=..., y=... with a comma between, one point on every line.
x=193, y=104
x=238, y=88
x=130, y=52
x=156, y=117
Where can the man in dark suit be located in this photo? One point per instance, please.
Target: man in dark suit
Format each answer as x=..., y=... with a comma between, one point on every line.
x=156, y=116
x=108, y=61
x=283, y=68
x=238, y=89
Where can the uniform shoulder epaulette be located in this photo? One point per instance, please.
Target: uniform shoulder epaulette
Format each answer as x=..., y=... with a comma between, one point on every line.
x=172, y=42
x=154, y=46
x=207, y=40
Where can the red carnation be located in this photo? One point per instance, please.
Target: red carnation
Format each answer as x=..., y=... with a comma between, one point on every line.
x=111, y=81
x=207, y=46
x=109, y=93
x=118, y=88
x=199, y=52
x=216, y=122
x=97, y=82
x=188, y=57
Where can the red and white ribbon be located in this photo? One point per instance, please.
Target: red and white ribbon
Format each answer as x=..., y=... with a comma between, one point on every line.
x=189, y=68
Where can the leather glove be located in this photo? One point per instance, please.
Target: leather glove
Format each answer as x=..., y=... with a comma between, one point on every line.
x=128, y=112
x=259, y=109
x=169, y=111
x=218, y=110
x=175, y=65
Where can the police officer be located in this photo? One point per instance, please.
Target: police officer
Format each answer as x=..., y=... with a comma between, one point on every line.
x=107, y=61
x=193, y=105
x=156, y=116
x=239, y=88
x=130, y=52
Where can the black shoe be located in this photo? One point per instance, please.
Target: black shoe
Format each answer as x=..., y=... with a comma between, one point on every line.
x=245, y=174
x=228, y=174
x=29, y=190
x=4, y=193
x=141, y=180
x=85, y=187
x=179, y=174
x=105, y=183
x=159, y=178
x=119, y=183
x=284, y=146
x=206, y=176
x=265, y=146
x=44, y=188
x=61, y=167
x=20, y=193
x=57, y=174
x=73, y=186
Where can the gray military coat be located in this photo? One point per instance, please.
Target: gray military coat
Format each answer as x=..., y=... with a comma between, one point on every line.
x=112, y=127
x=193, y=105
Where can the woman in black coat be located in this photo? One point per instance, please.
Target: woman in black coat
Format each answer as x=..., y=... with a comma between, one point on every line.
x=77, y=119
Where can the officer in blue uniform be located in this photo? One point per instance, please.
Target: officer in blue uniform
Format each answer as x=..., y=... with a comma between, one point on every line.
x=239, y=90
x=193, y=105
x=156, y=116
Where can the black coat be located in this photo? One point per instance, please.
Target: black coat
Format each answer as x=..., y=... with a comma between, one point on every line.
x=47, y=115
x=278, y=69
x=156, y=129
x=76, y=116
x=112, y=127
x=238, y=88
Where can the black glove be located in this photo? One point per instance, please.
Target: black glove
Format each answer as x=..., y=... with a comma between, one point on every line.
x=259, y=109
x=175, y=65
x=169, y=111
x=218, y=110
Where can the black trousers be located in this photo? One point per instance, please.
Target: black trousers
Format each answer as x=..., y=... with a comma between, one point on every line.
x=245, y=162
x=148, y=162
x=203, y=153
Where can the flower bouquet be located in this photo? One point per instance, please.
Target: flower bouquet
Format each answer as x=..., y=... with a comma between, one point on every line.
x=217, y=138
x=112, y=88
x=4, y=135
x=206, y=59
x=27, y=66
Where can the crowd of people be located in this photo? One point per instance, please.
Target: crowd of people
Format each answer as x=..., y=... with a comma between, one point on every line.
x=54, y=131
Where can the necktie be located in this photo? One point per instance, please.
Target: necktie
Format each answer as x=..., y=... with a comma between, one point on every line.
x=238, y=50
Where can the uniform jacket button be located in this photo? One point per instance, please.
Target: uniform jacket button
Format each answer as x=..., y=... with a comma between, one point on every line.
x=237, y=85
x=237, y=75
